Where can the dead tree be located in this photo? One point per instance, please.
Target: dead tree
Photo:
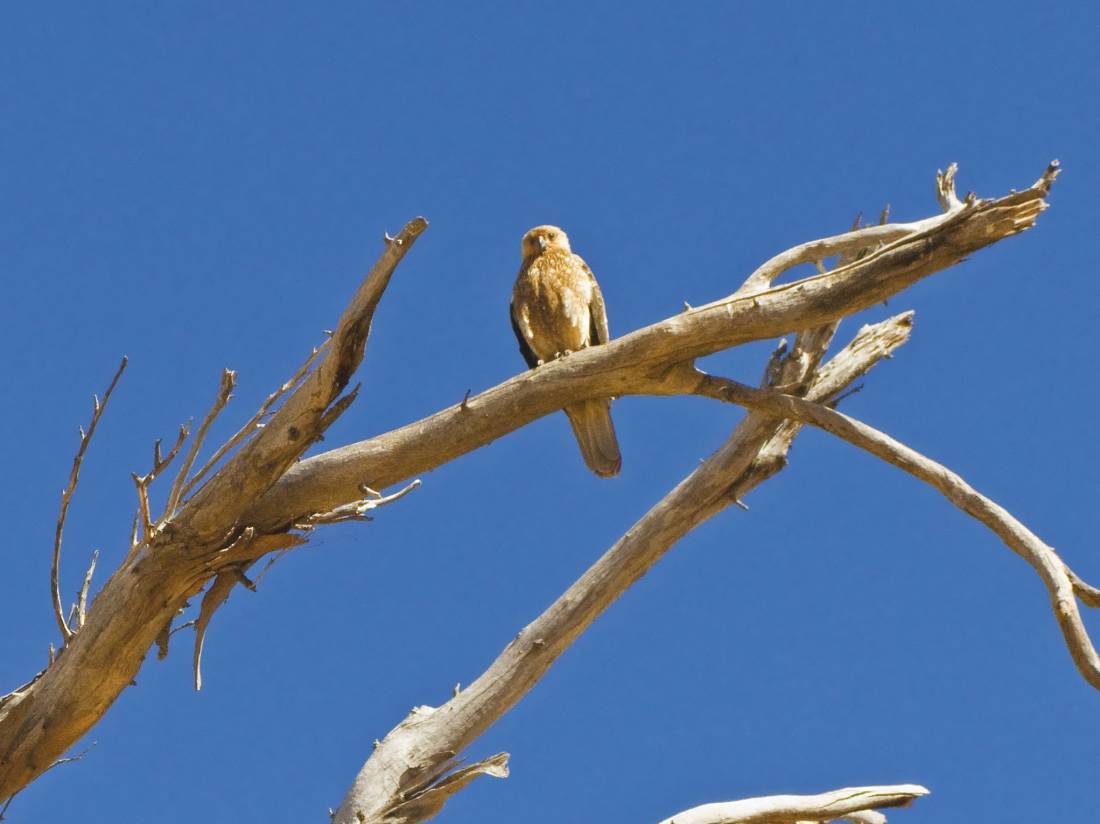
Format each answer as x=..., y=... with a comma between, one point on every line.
x=253, y=498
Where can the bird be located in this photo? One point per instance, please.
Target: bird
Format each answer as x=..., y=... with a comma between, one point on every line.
x=557, y=308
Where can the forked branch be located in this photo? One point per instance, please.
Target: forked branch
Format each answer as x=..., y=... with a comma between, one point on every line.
x=255, y=422
x=67, y=496
x=418, y=755
x=219, y=504
x=195, y=545
x=264, y=487
x=634, y=363
x=1063, y=585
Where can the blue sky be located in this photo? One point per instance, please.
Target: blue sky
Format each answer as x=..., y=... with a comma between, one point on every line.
x=202, y=185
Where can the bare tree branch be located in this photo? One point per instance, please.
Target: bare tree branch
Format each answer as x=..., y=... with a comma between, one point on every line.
x=142, y=483
x=850, y=803
x=617, y=368
x=419, y=753
x=1061, y=583
x=218, y=505
x=261, y=487
x=67, y=496
x=82, y=599
x=853, y=245
x=256, y=421
x=356, y=510
x=39, y=721
x=159, y=463
x=58, y=763
x=225, y=392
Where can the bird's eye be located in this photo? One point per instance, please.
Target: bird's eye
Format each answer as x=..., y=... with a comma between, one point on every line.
x=551, y=235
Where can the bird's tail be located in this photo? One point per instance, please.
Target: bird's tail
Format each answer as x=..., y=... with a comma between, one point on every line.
x=595, y=435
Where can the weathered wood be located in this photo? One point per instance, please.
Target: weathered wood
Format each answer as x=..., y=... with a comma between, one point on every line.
x=264, y=488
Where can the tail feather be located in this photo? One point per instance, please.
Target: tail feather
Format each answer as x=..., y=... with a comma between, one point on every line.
x=595, y=435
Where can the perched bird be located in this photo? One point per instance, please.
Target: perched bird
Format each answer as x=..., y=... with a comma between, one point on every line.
x=557, y=309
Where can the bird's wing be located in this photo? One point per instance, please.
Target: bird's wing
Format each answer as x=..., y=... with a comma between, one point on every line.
x=596, y=310
x=524, y=346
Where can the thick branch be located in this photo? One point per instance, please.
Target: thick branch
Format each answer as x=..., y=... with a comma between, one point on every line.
x=41, y=720
x=418, y=753
x=220, y=503
x=792, y=809
x=618, y=368
x=262, y=487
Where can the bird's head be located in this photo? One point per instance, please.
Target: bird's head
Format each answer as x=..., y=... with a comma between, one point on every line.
x=541, y=238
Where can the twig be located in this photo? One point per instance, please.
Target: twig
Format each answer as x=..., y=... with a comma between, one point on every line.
x=166, y=634
x=134, y=542
x=141, y=484
x=225, y=391
x=256, y=421
x=82, y=602
x=159, y=463
x=275, y=557
x=72, y=758
x=66, y=497
x=945, y=189
x=184, y=625
x=356, y=510
x=850, y=803
x=56, y=763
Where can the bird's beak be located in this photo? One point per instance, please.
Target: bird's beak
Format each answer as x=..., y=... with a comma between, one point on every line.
x=542, y=242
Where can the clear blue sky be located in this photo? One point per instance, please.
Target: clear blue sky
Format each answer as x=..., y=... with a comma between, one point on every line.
x=202, y=185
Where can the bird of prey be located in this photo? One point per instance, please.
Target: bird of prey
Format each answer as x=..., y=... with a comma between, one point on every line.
x=557, y=309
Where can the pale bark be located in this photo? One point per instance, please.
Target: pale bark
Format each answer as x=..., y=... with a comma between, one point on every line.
x=179, y=556
x=848, y=804
x=620, y=367
x=1062, y=584
x=415, y=759
x=262, y=497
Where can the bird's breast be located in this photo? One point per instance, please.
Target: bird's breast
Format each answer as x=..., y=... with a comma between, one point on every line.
x=552, y=296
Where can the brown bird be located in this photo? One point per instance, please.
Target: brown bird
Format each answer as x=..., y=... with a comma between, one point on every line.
x=557, y=309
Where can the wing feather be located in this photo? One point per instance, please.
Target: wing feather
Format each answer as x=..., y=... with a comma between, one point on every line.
x=596, y=310
x=524, y=346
